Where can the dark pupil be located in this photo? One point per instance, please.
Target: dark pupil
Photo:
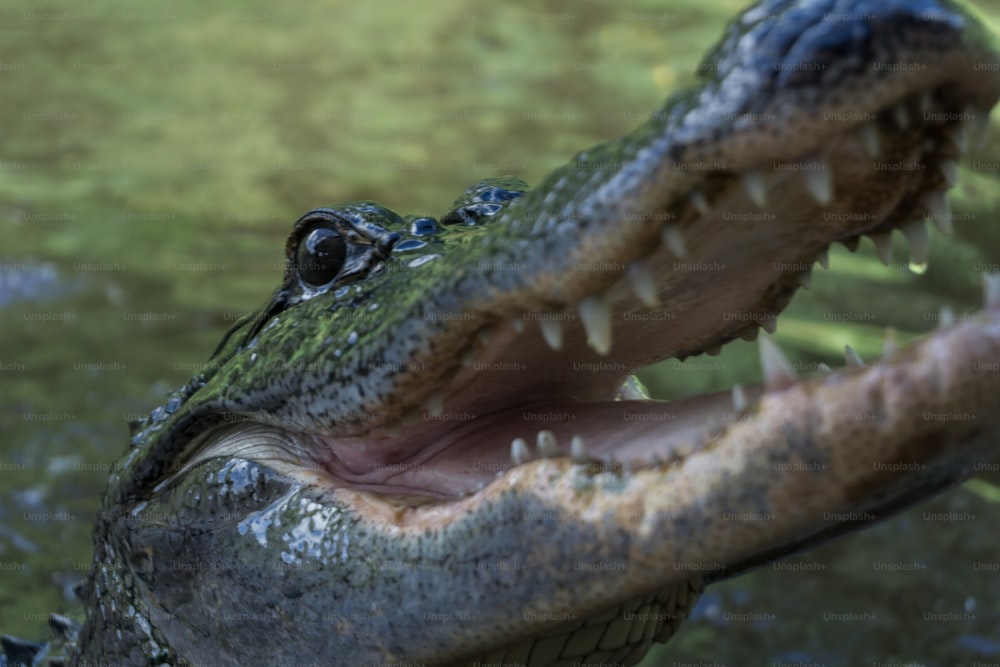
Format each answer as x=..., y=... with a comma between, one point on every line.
x=321, y=256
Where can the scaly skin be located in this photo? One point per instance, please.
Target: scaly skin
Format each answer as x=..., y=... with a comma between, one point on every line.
x=343, y=471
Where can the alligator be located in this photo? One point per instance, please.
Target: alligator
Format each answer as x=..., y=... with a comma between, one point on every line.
x=407, y=455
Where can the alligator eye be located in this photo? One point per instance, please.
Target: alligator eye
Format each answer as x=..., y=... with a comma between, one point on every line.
x=320, y=256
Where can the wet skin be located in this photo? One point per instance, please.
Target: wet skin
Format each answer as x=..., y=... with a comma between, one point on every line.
x=344, y=467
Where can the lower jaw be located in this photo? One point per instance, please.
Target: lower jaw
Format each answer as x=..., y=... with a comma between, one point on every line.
x=621, y=636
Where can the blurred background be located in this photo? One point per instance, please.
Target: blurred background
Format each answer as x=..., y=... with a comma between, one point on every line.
x=154, y=156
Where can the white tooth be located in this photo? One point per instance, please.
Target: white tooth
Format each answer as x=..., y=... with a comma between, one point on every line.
x=595, y=312
x=674, y=239
x=739, y=398
x=518, y=324
x=939, y=208
x=901, y=116
x=577, y=450
x=753, y=183
x=819, y=182
x=889, y=345
x=519, y=451
x=991, y=291
x=699, y=202
x=434, y=403
x=768, y=323
x=640, y=276
x=823, y=368
x=547, y=444
x=804, y=279
x=920, y=243
x=552, y=332
x=778, y=373
x=869, y=137
x=977, y=127
x=883, y=245
x=946, y=317
x=750, y=333
x=824, y=258
x=852, y=358
x=949, y=169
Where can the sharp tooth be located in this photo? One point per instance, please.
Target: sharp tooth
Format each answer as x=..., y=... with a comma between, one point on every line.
x=778, y=373
x=674, y=239
x=768, y=323
x=577, y=450
x=552, y=332
x=852, y=243
x=946, y=317
x=977, y=127
x=750, y=333
x=519, y=452
x=739, y=398
x=883, y=245
x=889, y=345
x=804, y=279
x=699, y=202
x=823, y=368
x=901, y=116
x=819, y=182
x=869, y=137
x=920, y=243
x=518, y=324
x=852, y=358
x=434, y=403
x=949, y=169
x=640, y=276
x=595, y=311
x=547, y=444
x=939, y=208
x=753, y=183
x=824, y=258
x=991, y=291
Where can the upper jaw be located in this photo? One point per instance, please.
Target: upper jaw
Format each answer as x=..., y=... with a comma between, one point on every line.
x=701, y=234
x=722, y=268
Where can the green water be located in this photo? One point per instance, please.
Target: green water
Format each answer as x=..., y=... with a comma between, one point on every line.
x=152, y=158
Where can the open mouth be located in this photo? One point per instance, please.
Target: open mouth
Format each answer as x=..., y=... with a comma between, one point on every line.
x=721, y=264
x=454, y=426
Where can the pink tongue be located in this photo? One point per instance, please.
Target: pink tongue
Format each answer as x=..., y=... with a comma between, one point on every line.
x=448, y=459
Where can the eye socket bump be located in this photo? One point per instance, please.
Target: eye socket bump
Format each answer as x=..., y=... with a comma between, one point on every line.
x=320, y=256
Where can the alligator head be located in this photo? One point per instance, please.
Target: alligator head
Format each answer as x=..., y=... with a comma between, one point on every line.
x=420, y=450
